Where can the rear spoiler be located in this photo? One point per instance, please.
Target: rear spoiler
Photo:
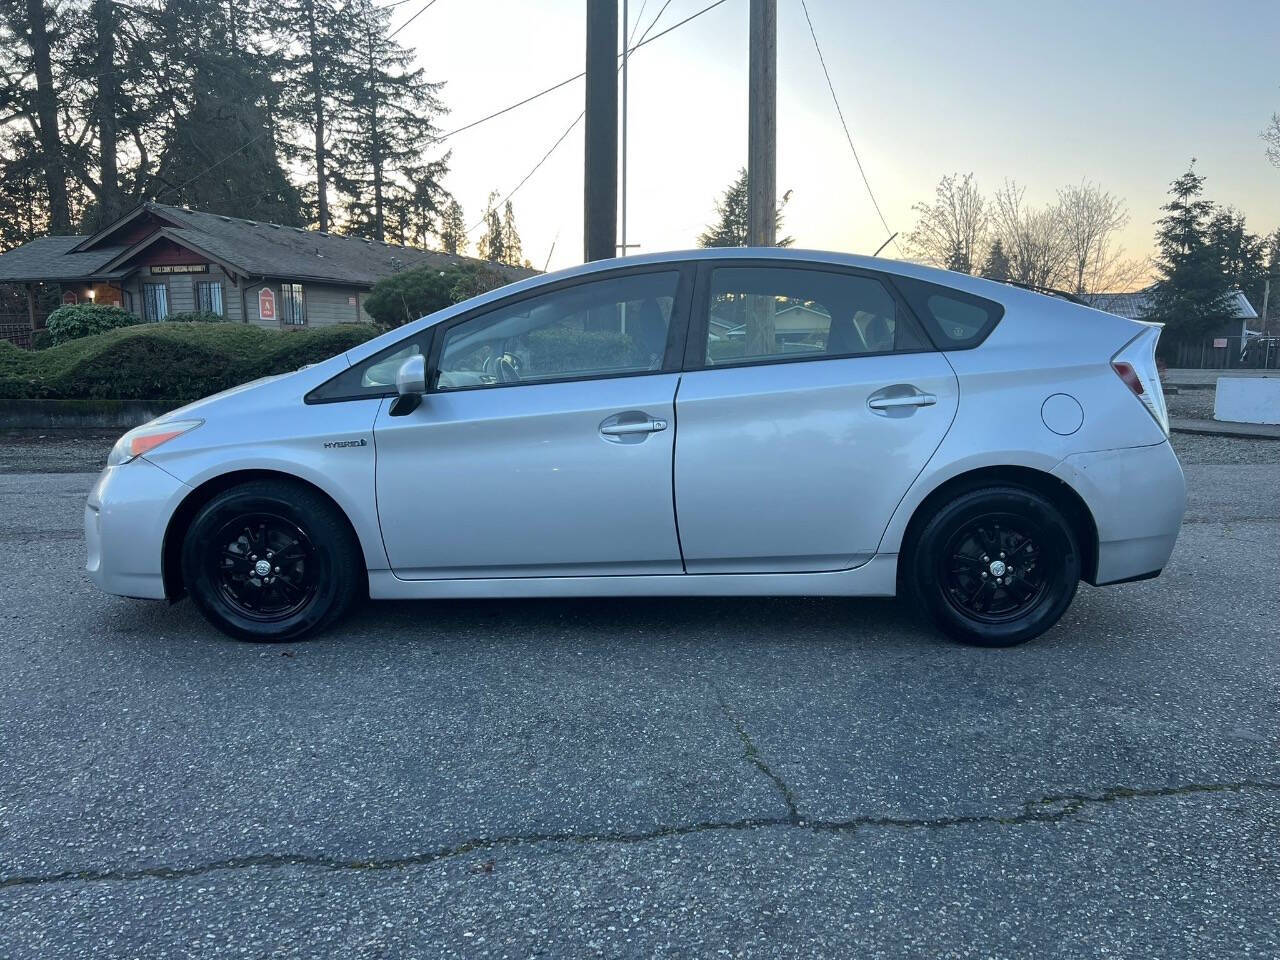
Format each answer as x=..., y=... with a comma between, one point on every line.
x=1048, y=291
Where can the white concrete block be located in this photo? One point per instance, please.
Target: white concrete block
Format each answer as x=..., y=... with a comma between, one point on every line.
x=1247, y=400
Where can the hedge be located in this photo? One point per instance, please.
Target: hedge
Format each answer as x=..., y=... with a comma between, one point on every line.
x=86, y=319
x=166, y=362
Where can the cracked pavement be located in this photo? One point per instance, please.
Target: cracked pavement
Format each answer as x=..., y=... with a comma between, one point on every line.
x=746, y=777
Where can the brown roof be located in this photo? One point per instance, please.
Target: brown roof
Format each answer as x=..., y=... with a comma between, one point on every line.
x=252, y=248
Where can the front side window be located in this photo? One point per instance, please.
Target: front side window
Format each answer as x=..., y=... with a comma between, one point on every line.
x=759, y=314
x=598, y=328
x=155, y=302
x=209, y=297
x=293, y=308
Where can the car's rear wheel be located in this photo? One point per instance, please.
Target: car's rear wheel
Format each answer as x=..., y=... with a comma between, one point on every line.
x=996, y=566
x=270, y=560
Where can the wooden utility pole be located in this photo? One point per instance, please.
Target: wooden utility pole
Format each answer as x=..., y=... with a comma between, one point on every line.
x=762, y=127
x=600, y=198
x=762, y=220
x=109, y=197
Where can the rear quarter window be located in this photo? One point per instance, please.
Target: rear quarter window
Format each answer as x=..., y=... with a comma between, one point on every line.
x=954, y=320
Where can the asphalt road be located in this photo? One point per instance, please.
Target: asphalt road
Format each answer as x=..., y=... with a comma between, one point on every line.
x=648, y=778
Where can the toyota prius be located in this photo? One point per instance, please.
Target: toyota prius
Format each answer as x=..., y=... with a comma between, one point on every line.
x=710, y=423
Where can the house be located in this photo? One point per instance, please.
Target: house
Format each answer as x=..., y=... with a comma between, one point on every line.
x=158, y=260
x=1226, y=337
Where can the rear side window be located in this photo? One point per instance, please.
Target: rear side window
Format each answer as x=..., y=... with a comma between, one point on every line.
x=953, y=319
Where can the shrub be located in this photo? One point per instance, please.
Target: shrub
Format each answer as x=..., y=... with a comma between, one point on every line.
x=86, y=319
x=196, y=316
x=41, y=339
x=167, y=362
x=411, y=294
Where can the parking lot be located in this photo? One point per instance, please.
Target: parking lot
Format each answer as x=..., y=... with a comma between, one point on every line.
x=643, y=777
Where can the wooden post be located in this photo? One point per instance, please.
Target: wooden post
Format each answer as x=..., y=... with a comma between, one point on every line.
x=600, y=174
x=762, y=91
x=762, y=124
x=31, y=305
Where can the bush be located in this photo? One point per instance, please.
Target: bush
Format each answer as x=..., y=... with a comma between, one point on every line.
x=411, y=294
x=41, y=339
x=85, y=320
x=167, y=362
x=196, y=316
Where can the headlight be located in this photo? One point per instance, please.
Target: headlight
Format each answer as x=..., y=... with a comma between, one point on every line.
x=146, y=438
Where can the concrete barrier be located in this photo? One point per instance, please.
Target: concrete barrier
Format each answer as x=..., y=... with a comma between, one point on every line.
x=52, y=414
x=1247, y=400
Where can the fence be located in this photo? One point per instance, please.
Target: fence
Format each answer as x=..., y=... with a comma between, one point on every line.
x=1227, y=353
x=16, y=328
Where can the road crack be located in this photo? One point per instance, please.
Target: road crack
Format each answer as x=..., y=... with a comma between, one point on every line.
x=1049, y=809
x=753, y=755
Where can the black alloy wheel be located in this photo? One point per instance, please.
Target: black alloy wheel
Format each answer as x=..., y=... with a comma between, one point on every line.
x=271, y=560
x=995, y=566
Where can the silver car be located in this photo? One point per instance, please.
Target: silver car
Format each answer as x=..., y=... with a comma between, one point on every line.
x=727, y=422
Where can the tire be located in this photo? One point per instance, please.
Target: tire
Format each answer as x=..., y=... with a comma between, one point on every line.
x=271, y=561
x=955, y=565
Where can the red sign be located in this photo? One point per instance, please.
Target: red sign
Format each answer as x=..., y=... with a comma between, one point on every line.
x=266, y=304
x=69, y=297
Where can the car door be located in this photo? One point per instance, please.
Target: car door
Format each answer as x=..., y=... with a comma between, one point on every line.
x=544, y=444
x=811, y=401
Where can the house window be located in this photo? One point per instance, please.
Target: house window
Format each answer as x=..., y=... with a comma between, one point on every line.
x=293, y=309
x=209, y=296
x=155, y=302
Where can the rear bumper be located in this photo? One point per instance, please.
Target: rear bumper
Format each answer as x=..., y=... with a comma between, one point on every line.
x=124, y=524
x=1137, y=496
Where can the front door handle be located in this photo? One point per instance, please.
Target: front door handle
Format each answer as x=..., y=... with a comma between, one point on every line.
x=914, y=400
x=626, y=429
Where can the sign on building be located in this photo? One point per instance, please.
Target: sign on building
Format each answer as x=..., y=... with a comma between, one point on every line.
x=267, y=303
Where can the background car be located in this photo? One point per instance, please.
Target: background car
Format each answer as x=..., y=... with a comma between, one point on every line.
x=713, y=422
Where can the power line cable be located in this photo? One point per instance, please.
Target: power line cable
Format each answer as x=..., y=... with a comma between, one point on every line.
x=848, y=136
x=546, y=156
x=578, y=76
x=427, y=6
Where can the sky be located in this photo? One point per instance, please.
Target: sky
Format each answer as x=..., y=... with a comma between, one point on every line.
x=1121, y=93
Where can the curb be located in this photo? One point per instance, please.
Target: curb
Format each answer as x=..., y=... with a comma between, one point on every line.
x=56, y=414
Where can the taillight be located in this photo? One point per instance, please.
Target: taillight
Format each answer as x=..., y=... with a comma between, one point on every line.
x=1129, y=376
x=1135, y=365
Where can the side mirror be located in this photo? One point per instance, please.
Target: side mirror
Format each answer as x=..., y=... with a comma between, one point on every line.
x=411, y=384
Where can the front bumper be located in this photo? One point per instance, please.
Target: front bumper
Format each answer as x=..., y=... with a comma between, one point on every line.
x=1137, y=496
x=124, y=523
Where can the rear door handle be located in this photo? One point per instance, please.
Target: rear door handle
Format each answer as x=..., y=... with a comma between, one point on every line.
x=911, y=400
x=626, y=429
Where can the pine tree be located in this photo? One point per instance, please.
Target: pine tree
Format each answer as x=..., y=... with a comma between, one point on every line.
x=730, y=228
x=453, y=228
x=491, y=246
x=996, y=266
x=384, y=134
x=1241, y=255
x=1191, y=292
x=511, y=248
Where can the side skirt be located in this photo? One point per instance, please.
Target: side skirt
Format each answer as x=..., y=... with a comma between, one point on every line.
x=875, y=578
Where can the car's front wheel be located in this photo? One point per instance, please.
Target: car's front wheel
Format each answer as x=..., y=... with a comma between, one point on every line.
x=270, y=560
x=996, y=566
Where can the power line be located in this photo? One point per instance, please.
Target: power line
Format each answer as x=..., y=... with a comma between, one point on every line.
x=848, y=136
x=217, y=163
x=525, y=179
x=427, y=6
x=578, y=76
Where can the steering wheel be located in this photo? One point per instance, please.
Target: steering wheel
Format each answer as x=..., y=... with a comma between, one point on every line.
x=507, y=372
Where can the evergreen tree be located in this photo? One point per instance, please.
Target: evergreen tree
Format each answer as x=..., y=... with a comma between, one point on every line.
x=491, y=246
x=1191, y=291
x=322, y=76
x=383, y=135
x=453, y=228
x=996, y=266
x=730, y=228
x=1241, y=255
x=511, y=248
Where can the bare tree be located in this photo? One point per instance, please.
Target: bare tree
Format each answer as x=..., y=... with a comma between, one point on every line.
x=951, y=232
x=1035, y=241
x=1271, y=136
x=1091, y=217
